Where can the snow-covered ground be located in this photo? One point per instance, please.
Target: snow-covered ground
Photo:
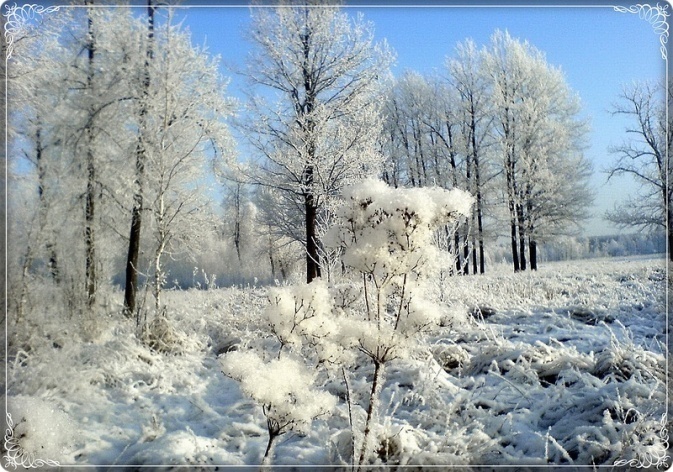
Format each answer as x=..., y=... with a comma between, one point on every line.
x=563, y=366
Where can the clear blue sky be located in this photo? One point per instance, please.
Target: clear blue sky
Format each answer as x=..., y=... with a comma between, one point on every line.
x=599, y=50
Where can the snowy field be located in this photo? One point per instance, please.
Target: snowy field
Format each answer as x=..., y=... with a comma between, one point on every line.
x=564, y=366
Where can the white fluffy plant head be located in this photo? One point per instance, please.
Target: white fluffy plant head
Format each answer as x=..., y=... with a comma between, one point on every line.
x=387, y=232
x=386, y=235
x=284, y=387
x=302, y=316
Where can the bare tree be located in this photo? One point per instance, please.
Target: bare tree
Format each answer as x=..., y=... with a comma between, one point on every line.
x=645, y=156
x=320, y=133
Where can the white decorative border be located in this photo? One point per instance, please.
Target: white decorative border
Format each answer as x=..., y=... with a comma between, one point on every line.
x=16, y=17
x=657, y=16
x=16, y=456
x=646, y=461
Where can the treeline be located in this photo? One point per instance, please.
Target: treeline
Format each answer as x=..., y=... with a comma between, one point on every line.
x=589, y=247
x=124, y=167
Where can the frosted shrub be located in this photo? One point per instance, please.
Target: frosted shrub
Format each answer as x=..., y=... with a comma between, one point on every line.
x=284, y=388
x=386, y=237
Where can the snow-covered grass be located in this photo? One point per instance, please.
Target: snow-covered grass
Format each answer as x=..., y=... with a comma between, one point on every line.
x=562, y=366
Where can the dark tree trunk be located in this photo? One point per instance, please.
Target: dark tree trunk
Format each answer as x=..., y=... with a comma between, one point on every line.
x=522, y=239
x=477, y=186
x=456, y=244
x=466, y=253
x=522, y=250
x=533, y=254
x=515, y=251
x=482, y=264
x=237, y=221
x=90, y=205
x=131, y=286
x=305, y=110
x=670, y=228
x=312, y=255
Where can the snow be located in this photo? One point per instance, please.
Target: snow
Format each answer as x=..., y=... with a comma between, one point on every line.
x=567, y=368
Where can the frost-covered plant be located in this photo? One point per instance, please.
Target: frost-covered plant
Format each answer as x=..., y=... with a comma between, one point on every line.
x=284, y=388
x=386, y=237
x=301, y=315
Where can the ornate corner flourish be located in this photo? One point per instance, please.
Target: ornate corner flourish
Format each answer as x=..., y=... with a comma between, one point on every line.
x=16, y=456
x=16, y=18
x=657, y=459
x=657, y=16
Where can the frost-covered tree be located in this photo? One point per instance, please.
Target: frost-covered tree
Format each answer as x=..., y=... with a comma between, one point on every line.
x=70, y=82
x=132, y=258
x=424, y=145
x=645, y=155
x=540, y=139
x=182, y=127
x=100, y=116
x=475, y=115
x=316, y=127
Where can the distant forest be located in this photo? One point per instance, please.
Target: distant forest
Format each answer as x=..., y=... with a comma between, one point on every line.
x=587, y=247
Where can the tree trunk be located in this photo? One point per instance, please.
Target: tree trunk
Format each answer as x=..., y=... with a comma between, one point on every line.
x=131, y=286
x=513, y=239
x=474, y=253
x=466, y=253
x=52, y=263
x=482, y=263
x=532, y=245
x=477, y=183
x=237, y=224
x=312, y=256
x=670, y=229
x=459, y=265
x=271, y=259
x=90, y=205
x=522, y=239
x=158, y=278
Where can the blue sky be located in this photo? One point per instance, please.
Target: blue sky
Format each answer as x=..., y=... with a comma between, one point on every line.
x=599, y=50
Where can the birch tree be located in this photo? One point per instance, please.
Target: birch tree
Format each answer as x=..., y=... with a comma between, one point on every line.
x=183, y=128
x=316, y=129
